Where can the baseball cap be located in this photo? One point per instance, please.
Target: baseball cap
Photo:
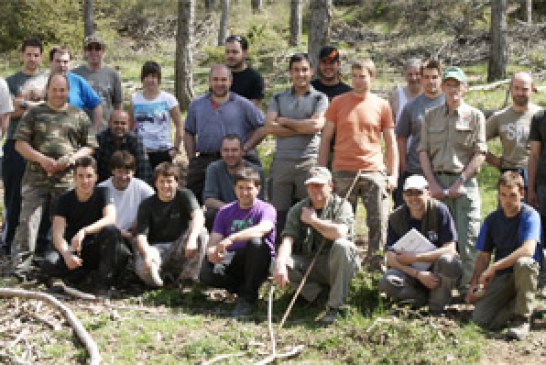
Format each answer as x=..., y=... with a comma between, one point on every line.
x=454, y=72
x=415, y=182
x=93, y=38
x=329, y=53
x=319, y=175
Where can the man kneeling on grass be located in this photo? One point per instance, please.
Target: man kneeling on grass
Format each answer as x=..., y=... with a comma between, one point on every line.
x=171, y=237
x=242, y=243
x=425, y=276
x=504, y=291
x=85, y=217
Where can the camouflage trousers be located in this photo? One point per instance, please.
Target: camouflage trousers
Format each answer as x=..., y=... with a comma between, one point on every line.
x=372, y=188
x=33, y=205
x=174, y=266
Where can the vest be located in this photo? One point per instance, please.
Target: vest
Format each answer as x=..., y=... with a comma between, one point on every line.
x=429, y=223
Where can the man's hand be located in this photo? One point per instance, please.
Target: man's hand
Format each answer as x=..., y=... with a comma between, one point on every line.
x=77, y=241
x=127, y=235
x=487, y=276
x=151, y=257
x=474, y=293
x=405, y=258
x=392, y=182
x=49, y=165
x=190, y=249
x=72, y=261
x=281, y=275
x=436, y=191
x=428, y=279
x=308, y=215
x=456, y=189
x=216, y=254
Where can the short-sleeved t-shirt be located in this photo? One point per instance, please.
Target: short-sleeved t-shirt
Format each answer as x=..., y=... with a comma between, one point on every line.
x=20, y=83
x=231, y=219
x=209, y=122
x=81, y=95
x=6, y=104
x=54, y=134
x=248, y=83
x=127, y=201
x=331, y=91
x=446, y=228
x=153, y=119
x=107, y=84
x=538, y=134
x=79, y=214
x=359, y=125
x=306, y=238
x=164, y=222
x=219, y=183
x=288, y=105
x=513, y=129
x=505, y=235
x=409, y=126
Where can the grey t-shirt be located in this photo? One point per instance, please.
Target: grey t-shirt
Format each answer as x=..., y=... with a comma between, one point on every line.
x=20, y=83
x=287, y=104
x=219, y=183
x=409, y=126
x=107, y=84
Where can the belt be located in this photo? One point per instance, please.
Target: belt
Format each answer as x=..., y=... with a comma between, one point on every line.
x=209, y=154
x=447, y=173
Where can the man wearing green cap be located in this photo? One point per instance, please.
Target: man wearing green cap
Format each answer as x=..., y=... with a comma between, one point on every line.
x=451, y=151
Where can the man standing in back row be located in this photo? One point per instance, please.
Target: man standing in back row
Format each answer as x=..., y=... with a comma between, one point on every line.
x=451, y=152
x=328, y=79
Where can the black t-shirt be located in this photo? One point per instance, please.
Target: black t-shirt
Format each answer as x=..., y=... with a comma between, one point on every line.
x=331, y=90
x=80, y=214
x=248, y=83
x=166, y=221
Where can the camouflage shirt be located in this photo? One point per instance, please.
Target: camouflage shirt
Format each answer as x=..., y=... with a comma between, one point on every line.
x=55, y=134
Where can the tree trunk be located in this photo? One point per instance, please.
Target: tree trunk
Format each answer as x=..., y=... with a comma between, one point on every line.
x=319, y=28
x=224, y=23
x=209, y=4
x=184, y=52
x=256, y=6
x=529, y=11
x=88, y=26
x=498, y=52
x=295, y=22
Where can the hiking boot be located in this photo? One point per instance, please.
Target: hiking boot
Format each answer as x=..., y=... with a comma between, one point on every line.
x=519, y=329
x=154, y=275
x=242, y=308
x=330, y=317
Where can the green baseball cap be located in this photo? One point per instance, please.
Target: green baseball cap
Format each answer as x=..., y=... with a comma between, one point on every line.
x=453, y=72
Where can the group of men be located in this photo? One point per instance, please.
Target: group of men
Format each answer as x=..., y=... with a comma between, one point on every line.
x=425, y=145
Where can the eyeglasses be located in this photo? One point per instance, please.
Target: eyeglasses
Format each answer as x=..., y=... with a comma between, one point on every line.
x=412, y=192
x=94, y=47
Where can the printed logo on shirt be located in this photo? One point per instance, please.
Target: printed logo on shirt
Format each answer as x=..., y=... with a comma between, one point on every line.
x=240, y=224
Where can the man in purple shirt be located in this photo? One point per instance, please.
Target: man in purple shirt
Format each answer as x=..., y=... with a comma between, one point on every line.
x=241, y=243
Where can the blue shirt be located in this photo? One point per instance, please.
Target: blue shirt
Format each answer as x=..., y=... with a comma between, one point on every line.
x=505, y=234
x=81, y=95
x=209, y=124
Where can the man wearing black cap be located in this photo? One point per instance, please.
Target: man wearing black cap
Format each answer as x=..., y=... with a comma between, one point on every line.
x=328, y=80
x=247, y=82
x=103, y=79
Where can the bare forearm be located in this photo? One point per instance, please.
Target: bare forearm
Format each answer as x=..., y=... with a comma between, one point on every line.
x=526, y=250
x=433, y=256
x=482, y=262
x=330, y=230
x=402, y=148
x=257, y=231
x=97, y=117
x=196, y=224
x=278, y=130
x=393, y=263
x=254, y=139
x=29, y=153
x=189, y=145
x=473, y=166
x=142, y=244
x=426, y=166
x=304, y=126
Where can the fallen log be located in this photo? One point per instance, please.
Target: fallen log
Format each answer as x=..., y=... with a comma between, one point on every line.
x=81, y=332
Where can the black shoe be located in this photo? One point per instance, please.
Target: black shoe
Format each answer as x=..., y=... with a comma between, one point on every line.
x=242, y=308
x=330, y=317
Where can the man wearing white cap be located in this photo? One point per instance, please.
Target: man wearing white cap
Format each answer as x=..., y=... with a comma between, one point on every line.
x=419, y=284
x=322, y=216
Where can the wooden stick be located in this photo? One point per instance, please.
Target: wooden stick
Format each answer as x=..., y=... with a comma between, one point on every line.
x=81, y=333
x=312, y=264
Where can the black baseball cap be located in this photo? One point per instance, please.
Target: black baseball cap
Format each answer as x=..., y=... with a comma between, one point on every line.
x=329, y=53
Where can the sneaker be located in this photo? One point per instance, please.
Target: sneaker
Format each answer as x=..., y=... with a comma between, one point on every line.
x=154, y=274
x=330, y=317
x=242, y=308
x=519, y=329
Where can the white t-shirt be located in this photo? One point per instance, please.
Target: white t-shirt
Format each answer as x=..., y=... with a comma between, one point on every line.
x=127, y=201
x=153, y=119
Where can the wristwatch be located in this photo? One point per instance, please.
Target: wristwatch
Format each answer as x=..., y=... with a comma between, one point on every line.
x=24, y=104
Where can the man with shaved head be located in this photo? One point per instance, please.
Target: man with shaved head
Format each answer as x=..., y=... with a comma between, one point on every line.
x=512, y=125
x=212, y=116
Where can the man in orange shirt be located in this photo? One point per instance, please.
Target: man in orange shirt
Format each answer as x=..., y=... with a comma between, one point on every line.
x=359, y=119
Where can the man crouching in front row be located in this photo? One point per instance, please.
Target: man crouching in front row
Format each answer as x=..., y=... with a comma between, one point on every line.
x=88, y=245
x=171, y=237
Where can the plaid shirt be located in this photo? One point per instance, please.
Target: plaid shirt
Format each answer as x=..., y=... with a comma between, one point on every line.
x=131, y=143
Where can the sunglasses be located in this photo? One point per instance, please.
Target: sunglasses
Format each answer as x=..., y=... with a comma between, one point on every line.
x=412, y=192
x=94, y=47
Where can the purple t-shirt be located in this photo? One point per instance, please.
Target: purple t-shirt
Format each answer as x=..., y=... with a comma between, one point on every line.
x=231, y=219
